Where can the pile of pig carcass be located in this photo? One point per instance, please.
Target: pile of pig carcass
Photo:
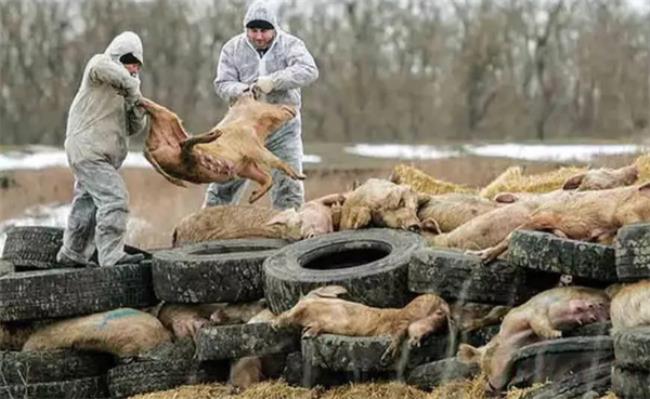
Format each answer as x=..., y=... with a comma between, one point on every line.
x=524, y=288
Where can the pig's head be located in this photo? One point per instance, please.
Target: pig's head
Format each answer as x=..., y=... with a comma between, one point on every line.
x=289, y=223
x=266, y=117
x=315, y=219
x=495, y=360
x=636, y=207
x=400, y=218
x=602, y=179
x=428, y=313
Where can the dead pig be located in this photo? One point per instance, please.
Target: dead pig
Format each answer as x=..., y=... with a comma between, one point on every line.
x=234, y=221
x=448, y=211
x=492, y=227
x=631, y=306
x=185, y=320
x=321, y=311
x=543, y=317
x=314, y=218
x=601, y=179
x=122, y=332
x=236, y=146
x=587, y=215
x=383, y=204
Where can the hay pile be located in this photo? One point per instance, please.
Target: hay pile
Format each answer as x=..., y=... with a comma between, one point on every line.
x=643, y=164
x=461, y=389
x=423, y=183
x=513, y=180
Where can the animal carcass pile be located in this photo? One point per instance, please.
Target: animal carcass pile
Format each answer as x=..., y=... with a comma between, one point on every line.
x=383, y=282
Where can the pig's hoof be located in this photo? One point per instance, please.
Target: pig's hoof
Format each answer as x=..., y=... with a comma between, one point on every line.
x=301, y=176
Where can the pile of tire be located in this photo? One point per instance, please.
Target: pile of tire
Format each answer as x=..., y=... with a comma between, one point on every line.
x=631, y=371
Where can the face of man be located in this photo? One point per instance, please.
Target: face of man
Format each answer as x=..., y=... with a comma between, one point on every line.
x=261, y=38
x=133, y=69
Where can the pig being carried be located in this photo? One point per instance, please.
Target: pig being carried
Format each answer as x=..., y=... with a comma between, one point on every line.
x=321, y=311
x=234, y=147
x=543, y=317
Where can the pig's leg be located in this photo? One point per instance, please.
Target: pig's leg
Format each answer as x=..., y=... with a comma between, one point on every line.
x=541, y=325
x=396, y=340
x=490, y=254
x=253, y=171
x=270, y=159
x=312, y=329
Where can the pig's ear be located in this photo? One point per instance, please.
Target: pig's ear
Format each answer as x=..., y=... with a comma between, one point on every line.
x=573, y=182
x=285, y=218
x=468, y=354
x=431, y=226
x=645, y=188
x=506, y=198
x=423, y=199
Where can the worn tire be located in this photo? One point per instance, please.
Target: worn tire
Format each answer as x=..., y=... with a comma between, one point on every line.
x=89, y=387
x=215, y=271
x=6, y=267
x=632, y=348
x=589, y=330
x=549, y=253
x=551, y=360
x=633, y=252
x=594, y=380
x=363, y=354
x=429, y=375
x=630, y=384
x=240, y=340
x=33, y=247
x=457, y=276
x=172, y=365
x=299, y=373
x=52, y=366
x=372, y=264
x=70, y=292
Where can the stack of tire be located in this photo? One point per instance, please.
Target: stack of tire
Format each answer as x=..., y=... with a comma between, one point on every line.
x=535, y=262
x=34, y=287
x=631, y=372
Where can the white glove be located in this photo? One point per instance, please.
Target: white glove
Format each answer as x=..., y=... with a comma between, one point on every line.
x=265, y=83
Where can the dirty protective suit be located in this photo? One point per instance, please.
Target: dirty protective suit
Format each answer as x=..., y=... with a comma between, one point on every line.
x=102, y=116
x=290, y=66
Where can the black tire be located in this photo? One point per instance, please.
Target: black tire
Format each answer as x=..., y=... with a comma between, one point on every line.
x=630, y=384
x=595, y=381
x=551, y=360
x=480, y=337
x=240, y=340
x=172, y=365
x=632, y=348
x=633, y=252
x=372, y=264
x=41, y=367
x=430, y=375
x=299, y=373
x=589, y=330
x=363, y=354
x=458, y=276
x=215, y=271
x=33, y=247
x=70, y=292
x=546, y=252
x=6, y=267
x=89, y=387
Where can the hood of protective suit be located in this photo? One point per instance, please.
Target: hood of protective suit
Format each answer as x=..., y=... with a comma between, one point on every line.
x=124, y=43
x=263, y=11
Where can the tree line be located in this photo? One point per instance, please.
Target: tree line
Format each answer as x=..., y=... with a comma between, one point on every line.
x=391, y=71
